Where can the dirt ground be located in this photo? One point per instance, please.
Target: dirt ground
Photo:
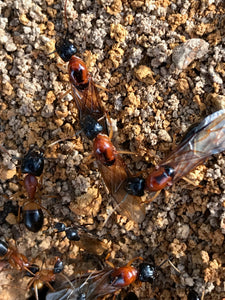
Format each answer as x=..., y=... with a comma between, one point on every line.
x=154, y=93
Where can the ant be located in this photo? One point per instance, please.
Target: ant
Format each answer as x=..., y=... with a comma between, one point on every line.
x=32, y=164
x=43, y=277
x=111, y=280
x=85, y=240
x=84, y=91
x=115, y=174
x=71, y=233
x=201, y=141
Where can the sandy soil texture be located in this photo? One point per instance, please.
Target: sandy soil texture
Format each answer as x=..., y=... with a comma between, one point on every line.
x=159, y=82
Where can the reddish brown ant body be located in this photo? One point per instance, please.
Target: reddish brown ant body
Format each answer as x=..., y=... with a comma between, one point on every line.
x=115, y=173
x=13, y=257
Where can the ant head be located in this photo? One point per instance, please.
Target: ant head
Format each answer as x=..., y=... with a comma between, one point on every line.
x=60, y=227
x=65, y=49
x=135, y=186
x=146, y=272
x=90, y=127
x=33, y=162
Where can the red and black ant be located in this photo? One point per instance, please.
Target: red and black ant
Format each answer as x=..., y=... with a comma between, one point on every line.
x=92, y=114
x=115, y=174
x=32, y=164
x=200, y=142
x=108, y=281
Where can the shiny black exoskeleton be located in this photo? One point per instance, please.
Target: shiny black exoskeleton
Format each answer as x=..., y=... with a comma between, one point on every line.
x=90, y=127
x=65, y=49
x=33, y=218
x=33, y=270
x=192, y=295
x=33, y=162
x=135, y=186
x=146, y=272
x=169, y=171
x=71, y=233
x=58, y=267
x=3, y=248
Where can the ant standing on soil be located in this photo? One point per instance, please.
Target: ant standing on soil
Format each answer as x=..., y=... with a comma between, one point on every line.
x=32, y=165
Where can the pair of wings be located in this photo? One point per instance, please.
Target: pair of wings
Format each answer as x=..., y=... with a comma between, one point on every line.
x=200, y=142
x=92, y=284
x=88, y=102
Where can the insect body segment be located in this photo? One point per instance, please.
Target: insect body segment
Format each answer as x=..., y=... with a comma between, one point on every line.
x=33, y=162
x=124, y=276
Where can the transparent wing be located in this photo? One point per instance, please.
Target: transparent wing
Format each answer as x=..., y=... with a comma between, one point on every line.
x=93, y=285
x=114, y=177
x=88, y=102
x=202, y=141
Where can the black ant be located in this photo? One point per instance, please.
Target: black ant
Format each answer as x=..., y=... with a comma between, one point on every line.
x=71, y=233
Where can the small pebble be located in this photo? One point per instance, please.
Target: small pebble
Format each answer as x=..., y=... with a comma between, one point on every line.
x=193, y=49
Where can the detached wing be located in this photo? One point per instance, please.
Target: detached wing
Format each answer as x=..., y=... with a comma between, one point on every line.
x=202, y=141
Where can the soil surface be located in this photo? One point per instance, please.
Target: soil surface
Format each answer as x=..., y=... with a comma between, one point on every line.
x=161, y=65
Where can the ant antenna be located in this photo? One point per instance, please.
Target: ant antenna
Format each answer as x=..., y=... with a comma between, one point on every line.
x=67, y=27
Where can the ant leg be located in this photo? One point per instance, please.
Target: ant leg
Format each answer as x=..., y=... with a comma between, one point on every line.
x=132, y=260
x=36, y=291
x=110, y=126
x=101, y=87
x=172, y=265
x=108, y=262
x=153, y=198
x=64, y=95
x=126, y=152
x=192, y=183
x=50, y=286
